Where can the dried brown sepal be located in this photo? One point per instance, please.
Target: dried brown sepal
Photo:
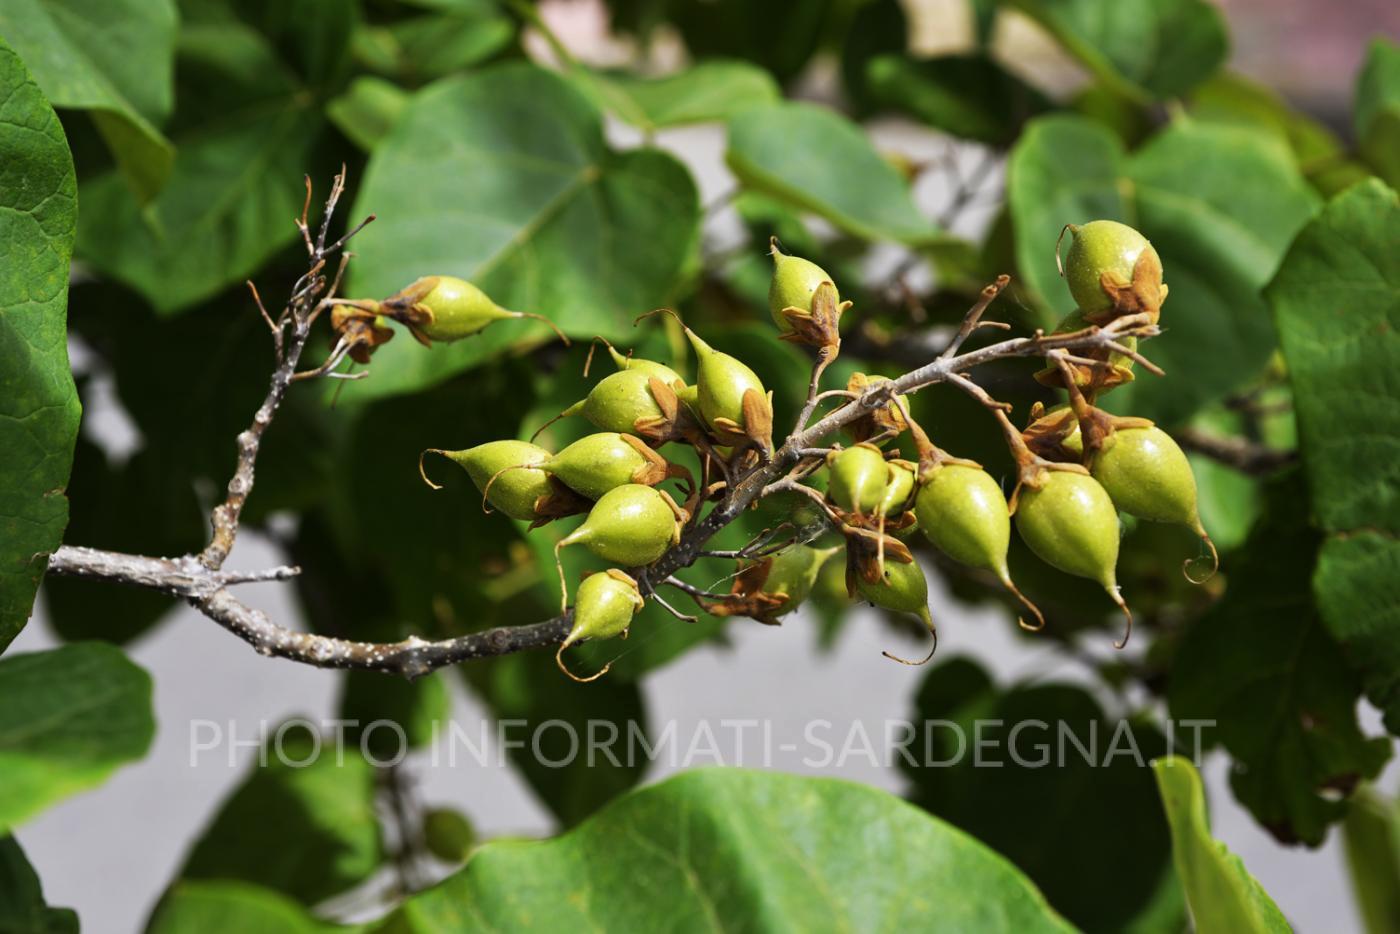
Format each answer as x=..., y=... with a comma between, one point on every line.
x=746, y=596
x=1046, y=434
x=757, y=430
x=1144, y=295
x=1100, y=376
x=866, y=552
x=359, y=330
x=820, y=327
x=558, y=503
x=656, y=468
x=675, y=423
x=886, y=420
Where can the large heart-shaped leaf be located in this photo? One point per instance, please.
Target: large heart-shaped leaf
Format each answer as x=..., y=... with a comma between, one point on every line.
x=1223, y=896
x=70, y=717
x=1146, y=48
x=729, y=848
x=22, y=905
x=503, y=177
x=816, y=159
x=113, y=58
x=38, y=402
x=1261, y=667
x=303, y=824
x=232, y=908
x=1336, y=300
x=1219, y=203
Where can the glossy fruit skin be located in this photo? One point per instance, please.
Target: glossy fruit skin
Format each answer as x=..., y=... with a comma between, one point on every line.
x=448, y=834
x=459, y=309
x=618, y=401
x=515, y=491
x=794, y=281
x=596, y=463
x=962, y=511
x=1147, y=475
x=794, y=572
x=604, y=607
x=721, y=381
x=631, y=525
x=903, y=589
x=859, y=477
x=1070, y=523
x=899, y=490
x=650, y=367
x=1101, y=246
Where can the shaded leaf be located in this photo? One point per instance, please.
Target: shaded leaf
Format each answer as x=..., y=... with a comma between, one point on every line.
x=303, y=824
x=377, y=703
x=969, y=96
x=1054, y=810
x=39, y=407
x=819, y=161
x=878, y=28
x=113, y=58
x=421, y=48
x=366, y=112
x=726, y=848
x=707, y=92
x=71, y=716
x=1219, y=203
x=1377, y=86
x=22, y=906
x=1149, y=48
x=1221, y=893
x=1371, y=836
x=1261, y=665
x=503, y=178
x=741, y=29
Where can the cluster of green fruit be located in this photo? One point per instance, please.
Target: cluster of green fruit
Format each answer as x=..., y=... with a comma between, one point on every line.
x=1079, y=465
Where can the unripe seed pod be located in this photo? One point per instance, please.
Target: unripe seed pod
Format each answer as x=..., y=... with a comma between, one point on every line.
x=458, y=309
x=899, y=490
x=650, y=367
x=721, y=382
x=448, y=834
x=597, y=463
x=631, y=525
x=793, y=573
x=512, y=491
x=690, y=396
x=963, y=513
x=1070, y=523
x=794, y=281
x=859, y=478
x=902, y=588
x=603, y=609
x=1147, y=475
x=1102, y=247
x=618, y=401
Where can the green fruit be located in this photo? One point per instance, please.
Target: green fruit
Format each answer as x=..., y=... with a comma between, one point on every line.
x=690, y=395
x=903, y=589
x=512, y=491
x=1101, y=247
x=859, y=478
x=630, y=525
x=603, y=609
x=1147, y=475
x=448, y=834
x=618, y=401
x=1071, y=524
x=898, y=491
x=650, y=367
x=793, y=573
x=459, y=309
x=597, y=463
x=963, y=513
x=794, y=281
x=721, y=382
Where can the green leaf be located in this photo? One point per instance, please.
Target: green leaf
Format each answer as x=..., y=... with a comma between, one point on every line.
x=39, y=408
x=231, y=908
x=1220, y=204
x=1377, y=86
x=367, y=111
x=1061, y=824
x=422, y=48
x=1282, y=696
x=819, y=161
x=72, y=715
x=303, y=824
x=878, y=28
x=1371, y=836
x=1223, y=896
x=113, y=58
x=707, y=92
x=1152, y=49
x=730, y=848
x=969, y=96
x=375, y=703
x=742, y=29
x=1336, y=301
x=503, y=177
x=246, y=128
x=22, y=906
